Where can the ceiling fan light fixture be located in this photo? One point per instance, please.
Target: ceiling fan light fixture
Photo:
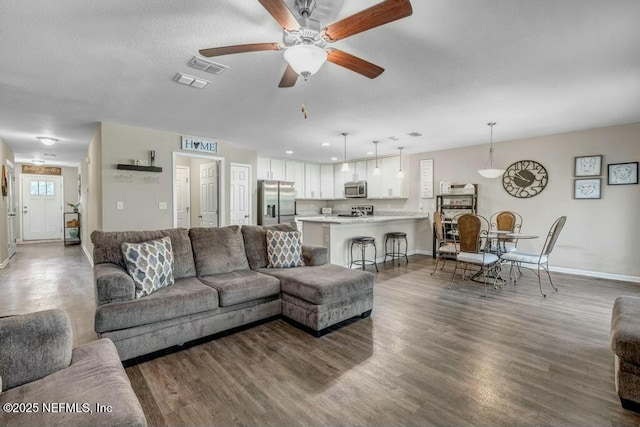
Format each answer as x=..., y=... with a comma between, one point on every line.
x=47, y=140
x=491, y=172
x=305, y=59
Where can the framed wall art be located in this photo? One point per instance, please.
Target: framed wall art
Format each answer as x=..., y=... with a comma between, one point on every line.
x=590, y=188
x=623, y=173
x=588, y=166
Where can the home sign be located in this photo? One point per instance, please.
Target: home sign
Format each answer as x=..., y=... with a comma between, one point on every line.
x=202, y=145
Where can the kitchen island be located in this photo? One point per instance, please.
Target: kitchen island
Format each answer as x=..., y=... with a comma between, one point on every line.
x=336, y=232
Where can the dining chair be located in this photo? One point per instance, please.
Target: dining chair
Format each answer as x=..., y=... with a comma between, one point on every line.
x=472, y=230
x=507, y=221
x=445, y=248
x=541, y=260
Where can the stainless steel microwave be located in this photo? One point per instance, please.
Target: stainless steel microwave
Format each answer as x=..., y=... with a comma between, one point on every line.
x=355, y=190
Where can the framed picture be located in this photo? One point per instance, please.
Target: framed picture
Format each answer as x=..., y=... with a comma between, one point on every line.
x=588, y=166
x=623, y=173
x=587, y=188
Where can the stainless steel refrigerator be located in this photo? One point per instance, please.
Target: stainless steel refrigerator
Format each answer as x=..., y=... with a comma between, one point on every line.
x=276, y=202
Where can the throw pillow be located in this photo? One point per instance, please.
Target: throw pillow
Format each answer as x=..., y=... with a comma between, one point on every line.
x=150, y=264
x=284, y=249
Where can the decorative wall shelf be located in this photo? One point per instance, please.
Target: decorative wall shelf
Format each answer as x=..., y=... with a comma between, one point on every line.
x=126, y=167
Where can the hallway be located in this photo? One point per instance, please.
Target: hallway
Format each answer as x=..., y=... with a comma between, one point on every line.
x=42, y=276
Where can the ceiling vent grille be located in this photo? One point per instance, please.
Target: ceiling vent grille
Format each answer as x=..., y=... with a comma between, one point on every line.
x=415, y=134
x=207, y=66
x=188, y=80
x=48, y=155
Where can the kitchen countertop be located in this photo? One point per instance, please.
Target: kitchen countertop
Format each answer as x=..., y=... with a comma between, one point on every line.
x=334, y=219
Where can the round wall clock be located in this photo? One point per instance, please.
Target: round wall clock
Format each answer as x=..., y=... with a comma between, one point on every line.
x=524, y=179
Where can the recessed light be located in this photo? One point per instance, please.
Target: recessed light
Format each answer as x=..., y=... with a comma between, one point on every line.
x=289, y=152
x=369, y=153
x=47, y=140
x=326, y=144
x=37, y=162
x=333, y=159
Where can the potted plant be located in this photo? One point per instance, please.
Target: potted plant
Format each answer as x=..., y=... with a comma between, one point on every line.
x=75, y=206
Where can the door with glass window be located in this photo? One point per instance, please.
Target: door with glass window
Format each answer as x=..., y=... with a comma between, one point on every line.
x=41, y=207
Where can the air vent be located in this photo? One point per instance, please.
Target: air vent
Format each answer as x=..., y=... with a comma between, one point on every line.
x=48, y=154
x=416, y=134
x=188, y=80
x=394, y=138
x=207, y=66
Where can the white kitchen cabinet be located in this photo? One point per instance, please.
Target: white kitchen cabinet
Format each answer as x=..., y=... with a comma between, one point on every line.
x=327, y=190
x=339, y=178
x=312, y=181
x=271, y=168
x=294, y=172
x=359, y=170
x=391, y=185
x=374, y=182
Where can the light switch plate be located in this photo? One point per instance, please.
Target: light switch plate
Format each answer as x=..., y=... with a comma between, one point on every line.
x=119, y=205
x=162, y=206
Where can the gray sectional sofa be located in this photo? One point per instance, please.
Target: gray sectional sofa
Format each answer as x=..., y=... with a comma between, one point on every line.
x=44, y=382
x=221, y=282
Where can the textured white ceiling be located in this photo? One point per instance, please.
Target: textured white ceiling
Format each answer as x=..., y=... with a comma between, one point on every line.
x=536, y=67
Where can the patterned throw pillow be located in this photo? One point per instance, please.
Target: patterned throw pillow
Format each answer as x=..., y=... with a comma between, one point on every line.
x=149, y=264
x=284, y=249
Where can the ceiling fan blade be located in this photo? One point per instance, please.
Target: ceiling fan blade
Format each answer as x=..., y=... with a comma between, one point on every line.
x=354, y=63
x=379, y=14
x=281, y=13
x=241, y=48
x=289, y=77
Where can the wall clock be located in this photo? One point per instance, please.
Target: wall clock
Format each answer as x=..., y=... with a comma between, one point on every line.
x=525, y=178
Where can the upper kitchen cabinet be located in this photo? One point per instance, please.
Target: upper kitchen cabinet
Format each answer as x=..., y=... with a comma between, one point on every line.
x=294, y=172
x=387, y=185
x=271, y=168
x=326, y=182
x=312, y=181
x=339, y=178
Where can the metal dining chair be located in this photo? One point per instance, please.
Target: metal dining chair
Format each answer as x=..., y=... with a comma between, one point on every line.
x=542, y=260
x=445, y=248
x=507, y=221
x=472, y=230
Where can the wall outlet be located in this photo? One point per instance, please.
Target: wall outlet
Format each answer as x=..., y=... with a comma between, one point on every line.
x=120, y=205
x=162, y=206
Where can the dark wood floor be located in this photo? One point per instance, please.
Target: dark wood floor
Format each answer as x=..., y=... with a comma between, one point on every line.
x=427, y=356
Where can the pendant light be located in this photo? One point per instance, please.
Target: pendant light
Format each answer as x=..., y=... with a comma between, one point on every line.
x=400, y=174
x=376, y=170
x=491, y=172
x=345, y=165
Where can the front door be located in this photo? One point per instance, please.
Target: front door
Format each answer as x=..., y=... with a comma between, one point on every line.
x=11, y=208
x=209, y=195
x=41, y=207
x=183, y=197
x=240, y=194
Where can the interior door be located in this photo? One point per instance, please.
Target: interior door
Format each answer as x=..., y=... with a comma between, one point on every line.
x=11, y=208
x=183, y=196
x=41, y=207
x=209, y=195
x=240, y=187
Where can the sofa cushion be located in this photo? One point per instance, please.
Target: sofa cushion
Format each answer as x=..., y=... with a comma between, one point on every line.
x=321, y=284
x=186, y=296
x=625, y=329
x=242, y=286
x=149, y=264
x=95, y=376
x=283, y=249
x=33, y=346
x=107, y=247
x=255, y=242
x=218, y=250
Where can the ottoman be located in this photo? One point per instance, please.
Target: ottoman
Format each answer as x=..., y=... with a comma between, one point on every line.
x=321, y=296
x=625, y=343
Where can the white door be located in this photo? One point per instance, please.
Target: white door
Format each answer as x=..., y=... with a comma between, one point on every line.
x=240, y=194
x=209, y=195
x=11, y=208
x=183, y=196
x=41, y=207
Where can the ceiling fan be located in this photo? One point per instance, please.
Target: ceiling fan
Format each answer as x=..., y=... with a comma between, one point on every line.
x=305, y=44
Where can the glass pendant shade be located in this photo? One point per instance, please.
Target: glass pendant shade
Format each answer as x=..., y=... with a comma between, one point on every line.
x=345, y=167
x=376, y=170
x=491, y=172
x=305, y=59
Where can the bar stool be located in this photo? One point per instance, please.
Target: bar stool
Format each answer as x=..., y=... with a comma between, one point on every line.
x=362, y=242
x=395, y=237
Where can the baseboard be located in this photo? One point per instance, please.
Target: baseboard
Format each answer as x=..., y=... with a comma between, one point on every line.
x=87, y=254
x=423, y=252
x=4, y=263
x=597, y=274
